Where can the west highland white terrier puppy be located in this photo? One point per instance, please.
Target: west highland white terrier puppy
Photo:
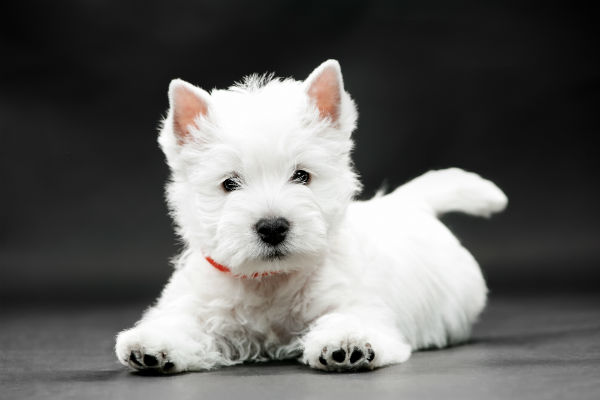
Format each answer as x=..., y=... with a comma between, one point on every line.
x=280, y=262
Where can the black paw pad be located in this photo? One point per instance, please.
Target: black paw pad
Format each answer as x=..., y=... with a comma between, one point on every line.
x=339, y=355
x=322, y=360
x=168, y=366
x=134, y=359
x=150, y=360
x=356, y=355
x=370, y=355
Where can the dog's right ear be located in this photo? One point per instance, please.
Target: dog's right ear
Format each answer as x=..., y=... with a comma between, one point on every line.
x=325, y=87
x=189, y=104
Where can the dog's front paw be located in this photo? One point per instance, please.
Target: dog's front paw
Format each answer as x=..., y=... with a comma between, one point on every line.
x=342, y=342
x=151, y=362
x=148, y=351
x=346, y=357
x=340, y=353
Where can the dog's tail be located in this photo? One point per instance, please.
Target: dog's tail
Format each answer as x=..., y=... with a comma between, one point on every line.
x=453, y=189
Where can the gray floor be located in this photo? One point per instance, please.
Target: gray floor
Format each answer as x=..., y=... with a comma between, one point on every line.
x=524, y=348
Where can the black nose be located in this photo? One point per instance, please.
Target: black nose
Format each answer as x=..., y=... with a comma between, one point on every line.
x=272, y=230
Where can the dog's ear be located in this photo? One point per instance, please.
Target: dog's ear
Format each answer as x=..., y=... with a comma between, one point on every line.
x=187, y=103
x=324, y=87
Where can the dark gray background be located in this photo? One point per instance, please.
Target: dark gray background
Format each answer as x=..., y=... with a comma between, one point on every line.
x=509, y=90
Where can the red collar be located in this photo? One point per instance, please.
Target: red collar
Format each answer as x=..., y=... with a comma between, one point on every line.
x=223, y=268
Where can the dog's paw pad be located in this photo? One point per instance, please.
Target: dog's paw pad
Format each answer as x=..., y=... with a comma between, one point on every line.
x=169, y=366
x=347, y=357
x=339, y=355
x=150, y=362
x=370, y=354
x=133, y=359
x=322, y=360
x=356, y=355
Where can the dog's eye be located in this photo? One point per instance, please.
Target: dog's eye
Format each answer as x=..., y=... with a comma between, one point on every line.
x=230, y=184
x=301, y=176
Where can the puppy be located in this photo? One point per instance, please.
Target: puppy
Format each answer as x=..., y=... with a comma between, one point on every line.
x=280, y=262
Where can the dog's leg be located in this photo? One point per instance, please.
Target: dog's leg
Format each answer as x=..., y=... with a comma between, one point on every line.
x=171, y=341
x=349, y=341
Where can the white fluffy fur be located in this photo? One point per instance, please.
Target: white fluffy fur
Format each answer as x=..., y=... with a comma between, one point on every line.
x=383, y=275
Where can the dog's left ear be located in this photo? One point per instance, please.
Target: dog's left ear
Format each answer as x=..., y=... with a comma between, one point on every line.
x=324, y=87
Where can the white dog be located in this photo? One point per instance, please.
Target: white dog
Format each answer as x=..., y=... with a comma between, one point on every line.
x=280, y=262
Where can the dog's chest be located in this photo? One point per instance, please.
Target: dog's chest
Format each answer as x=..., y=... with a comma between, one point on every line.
x=278, y=314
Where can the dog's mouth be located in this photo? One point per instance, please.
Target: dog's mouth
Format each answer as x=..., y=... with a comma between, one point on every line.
x=275, y=254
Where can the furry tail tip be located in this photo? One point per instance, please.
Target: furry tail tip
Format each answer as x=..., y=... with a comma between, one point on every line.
x=454, y=189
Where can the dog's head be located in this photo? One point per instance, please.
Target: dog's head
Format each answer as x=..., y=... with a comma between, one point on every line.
x=261, y=172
